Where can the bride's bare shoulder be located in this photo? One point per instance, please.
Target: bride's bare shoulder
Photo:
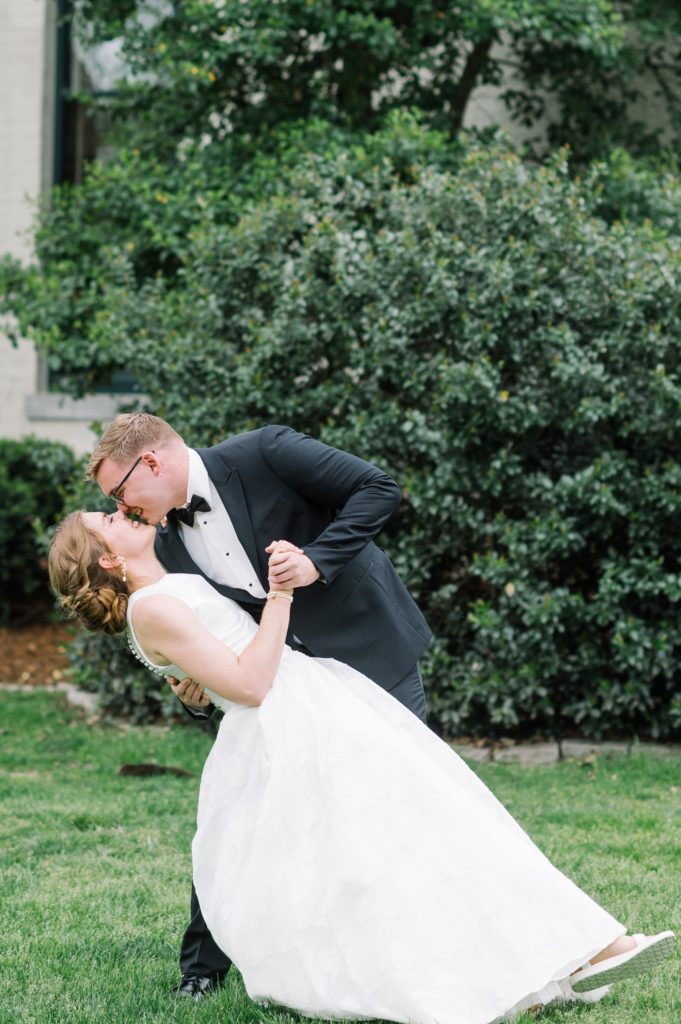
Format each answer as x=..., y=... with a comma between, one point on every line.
x=157, y=609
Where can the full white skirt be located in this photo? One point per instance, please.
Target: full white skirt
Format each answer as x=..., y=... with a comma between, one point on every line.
x=352, y=865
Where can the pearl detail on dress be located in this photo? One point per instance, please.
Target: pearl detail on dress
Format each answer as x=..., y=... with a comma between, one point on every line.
x=140, y=657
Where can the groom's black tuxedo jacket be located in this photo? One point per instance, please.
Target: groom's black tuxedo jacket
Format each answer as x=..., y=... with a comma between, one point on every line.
x=277, y=484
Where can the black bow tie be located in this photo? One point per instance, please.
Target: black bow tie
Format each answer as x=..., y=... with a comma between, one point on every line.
x=186, y=514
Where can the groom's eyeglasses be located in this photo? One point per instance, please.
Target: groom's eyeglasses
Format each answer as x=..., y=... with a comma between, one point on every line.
x=114, y=495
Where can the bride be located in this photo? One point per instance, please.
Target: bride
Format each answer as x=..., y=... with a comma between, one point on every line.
x=345, y=858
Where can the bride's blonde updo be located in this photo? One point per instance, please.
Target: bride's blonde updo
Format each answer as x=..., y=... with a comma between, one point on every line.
x=97, y=597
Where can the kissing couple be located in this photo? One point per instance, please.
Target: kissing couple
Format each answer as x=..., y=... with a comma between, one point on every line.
x=345, y=859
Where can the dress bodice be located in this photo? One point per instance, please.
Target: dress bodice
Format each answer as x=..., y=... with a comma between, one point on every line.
x=225, y=619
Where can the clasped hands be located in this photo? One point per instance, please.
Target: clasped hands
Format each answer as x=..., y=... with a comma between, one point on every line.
x=289, y=567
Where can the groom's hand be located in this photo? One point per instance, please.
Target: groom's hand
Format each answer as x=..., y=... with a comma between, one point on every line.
x=289, y=566
x=189, y=692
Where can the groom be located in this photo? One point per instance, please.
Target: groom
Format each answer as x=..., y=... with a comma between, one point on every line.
x=218, y=510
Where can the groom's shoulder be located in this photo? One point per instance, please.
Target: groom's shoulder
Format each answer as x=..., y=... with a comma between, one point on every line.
x=250, y=443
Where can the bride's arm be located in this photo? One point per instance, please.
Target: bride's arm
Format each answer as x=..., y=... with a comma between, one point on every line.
x=170, y=633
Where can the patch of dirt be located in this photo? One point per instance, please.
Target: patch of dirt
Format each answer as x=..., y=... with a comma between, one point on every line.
x=32, y=654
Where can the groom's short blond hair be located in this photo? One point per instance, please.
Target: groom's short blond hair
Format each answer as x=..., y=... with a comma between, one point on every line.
x=128, y=436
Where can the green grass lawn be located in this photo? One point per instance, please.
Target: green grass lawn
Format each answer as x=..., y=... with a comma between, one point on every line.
x=96, y=868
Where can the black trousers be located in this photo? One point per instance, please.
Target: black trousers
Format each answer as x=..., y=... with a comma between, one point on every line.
x=199, y=953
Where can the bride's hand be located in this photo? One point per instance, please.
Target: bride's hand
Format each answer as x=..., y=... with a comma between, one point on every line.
x=282, y=545
x=289, y=566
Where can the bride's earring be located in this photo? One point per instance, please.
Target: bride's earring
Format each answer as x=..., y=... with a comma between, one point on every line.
x=124, y=570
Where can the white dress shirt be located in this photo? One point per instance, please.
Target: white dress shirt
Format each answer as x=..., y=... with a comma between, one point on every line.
x=212, y=541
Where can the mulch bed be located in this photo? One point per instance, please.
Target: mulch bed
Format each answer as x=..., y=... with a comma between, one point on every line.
x=32, y=654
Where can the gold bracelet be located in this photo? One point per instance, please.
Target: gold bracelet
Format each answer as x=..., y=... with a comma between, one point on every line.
x=286, y=594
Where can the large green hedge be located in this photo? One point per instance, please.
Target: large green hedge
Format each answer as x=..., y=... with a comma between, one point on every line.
x=34, y=477
x=508, y=355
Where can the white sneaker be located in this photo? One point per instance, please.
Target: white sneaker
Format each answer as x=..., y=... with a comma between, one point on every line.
x=648, y=952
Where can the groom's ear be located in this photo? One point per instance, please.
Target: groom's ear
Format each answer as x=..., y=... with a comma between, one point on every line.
x=151, y=459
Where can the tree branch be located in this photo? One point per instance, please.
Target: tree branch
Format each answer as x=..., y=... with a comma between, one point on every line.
x=469, y=79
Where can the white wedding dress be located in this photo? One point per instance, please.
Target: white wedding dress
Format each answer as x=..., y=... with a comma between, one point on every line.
x=353, y=866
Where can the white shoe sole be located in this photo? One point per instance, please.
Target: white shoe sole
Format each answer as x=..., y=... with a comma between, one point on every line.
x=644, y=957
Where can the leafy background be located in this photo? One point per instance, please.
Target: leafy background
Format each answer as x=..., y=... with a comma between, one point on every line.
x=276, y=238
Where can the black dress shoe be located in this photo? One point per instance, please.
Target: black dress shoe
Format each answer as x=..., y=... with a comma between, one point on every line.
x=196, y=986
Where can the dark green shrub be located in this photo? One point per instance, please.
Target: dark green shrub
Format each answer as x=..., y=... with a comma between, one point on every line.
x=34, y=476
x=508, y=355
x=104, y=665
x=638, y=190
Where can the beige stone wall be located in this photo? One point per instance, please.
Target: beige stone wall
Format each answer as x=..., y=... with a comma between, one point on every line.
x=26, y=113
x=485, y=108
x=22, y=64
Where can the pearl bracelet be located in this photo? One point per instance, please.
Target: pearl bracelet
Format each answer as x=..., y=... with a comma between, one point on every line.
x=286, y=594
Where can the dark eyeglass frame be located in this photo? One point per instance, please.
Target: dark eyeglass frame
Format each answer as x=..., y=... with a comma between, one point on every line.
x=113, y=494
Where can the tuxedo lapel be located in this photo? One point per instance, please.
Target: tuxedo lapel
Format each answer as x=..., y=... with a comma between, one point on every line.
x=228, y=485
x=171, y=551
x=174, y=556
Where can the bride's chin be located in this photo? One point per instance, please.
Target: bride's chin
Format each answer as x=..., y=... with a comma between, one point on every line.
x=139, y=523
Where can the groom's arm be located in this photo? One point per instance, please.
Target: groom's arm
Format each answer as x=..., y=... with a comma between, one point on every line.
x=363, y=496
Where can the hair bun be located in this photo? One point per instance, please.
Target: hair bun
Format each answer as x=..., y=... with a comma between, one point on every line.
x=102, y=610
